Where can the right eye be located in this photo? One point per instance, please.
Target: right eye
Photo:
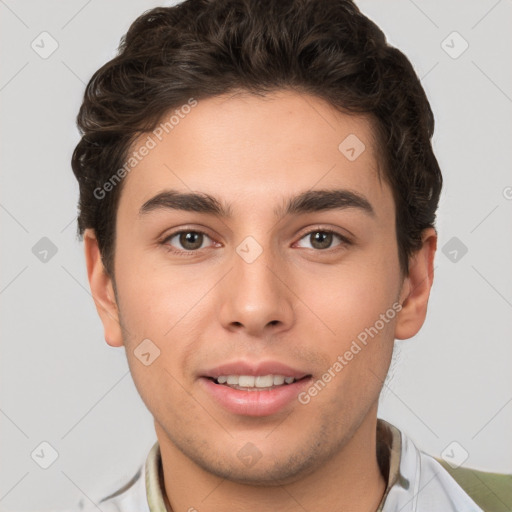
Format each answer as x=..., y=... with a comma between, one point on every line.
x=189, y=239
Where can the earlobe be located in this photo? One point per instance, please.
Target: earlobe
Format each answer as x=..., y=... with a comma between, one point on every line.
x=416, y=288
x=102, y=290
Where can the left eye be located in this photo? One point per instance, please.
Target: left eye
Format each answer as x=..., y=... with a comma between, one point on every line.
x=321, y=239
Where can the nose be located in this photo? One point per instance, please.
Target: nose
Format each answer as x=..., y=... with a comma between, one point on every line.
x=256, y=295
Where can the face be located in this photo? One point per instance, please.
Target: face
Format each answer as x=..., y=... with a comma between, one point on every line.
x=271, y=286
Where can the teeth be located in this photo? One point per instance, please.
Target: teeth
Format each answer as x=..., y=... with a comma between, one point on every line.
x=246, y=381
x=250, y=381
x=265, y=381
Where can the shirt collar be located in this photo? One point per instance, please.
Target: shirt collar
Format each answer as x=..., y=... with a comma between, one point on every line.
x=389, y=447
x=389, y=453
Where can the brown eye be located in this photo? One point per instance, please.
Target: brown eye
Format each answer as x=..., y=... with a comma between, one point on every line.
x=191, y=240
x=322, y=239
x=187, y=240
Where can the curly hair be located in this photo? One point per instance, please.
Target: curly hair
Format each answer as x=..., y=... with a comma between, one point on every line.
x=203, y=48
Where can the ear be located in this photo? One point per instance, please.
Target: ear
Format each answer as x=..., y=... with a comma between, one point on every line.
x=102, y=290
x=416, y=287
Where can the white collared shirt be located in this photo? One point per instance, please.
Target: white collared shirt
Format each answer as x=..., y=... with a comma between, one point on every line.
x=416, y=481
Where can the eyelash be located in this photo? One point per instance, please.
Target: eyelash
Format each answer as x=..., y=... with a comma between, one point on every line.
x=169, y=248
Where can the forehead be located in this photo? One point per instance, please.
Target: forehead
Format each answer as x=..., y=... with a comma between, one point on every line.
x=245, y=148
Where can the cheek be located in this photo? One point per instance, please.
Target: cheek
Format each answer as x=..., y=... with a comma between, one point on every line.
x=161, y=388
x=165, y=307
x=354, y=299
x=357, y=307
x=151, y=300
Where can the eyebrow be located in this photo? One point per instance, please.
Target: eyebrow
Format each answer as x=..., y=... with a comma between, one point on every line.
x=306, y=202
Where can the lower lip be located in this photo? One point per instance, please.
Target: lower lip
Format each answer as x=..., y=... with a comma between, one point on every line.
x=254, y=403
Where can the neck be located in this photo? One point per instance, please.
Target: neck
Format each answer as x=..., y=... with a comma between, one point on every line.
x=350, y=480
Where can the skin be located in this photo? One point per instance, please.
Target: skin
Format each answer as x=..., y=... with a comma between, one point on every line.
x=296, y=303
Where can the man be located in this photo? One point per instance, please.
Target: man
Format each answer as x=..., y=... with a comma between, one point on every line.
x=257, y=202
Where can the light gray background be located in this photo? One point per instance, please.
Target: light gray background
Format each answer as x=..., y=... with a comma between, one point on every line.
x=61, y=383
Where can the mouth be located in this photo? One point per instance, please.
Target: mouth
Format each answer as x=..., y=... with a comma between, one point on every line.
x=249, y=388
x=253, y=383
x=256, y=390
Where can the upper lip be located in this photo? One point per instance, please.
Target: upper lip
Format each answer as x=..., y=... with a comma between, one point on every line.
x=254, y=369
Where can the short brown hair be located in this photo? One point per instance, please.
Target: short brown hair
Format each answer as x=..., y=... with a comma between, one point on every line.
x=204, y=48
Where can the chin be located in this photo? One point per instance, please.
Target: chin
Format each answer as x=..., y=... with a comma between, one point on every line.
x=267, y=473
